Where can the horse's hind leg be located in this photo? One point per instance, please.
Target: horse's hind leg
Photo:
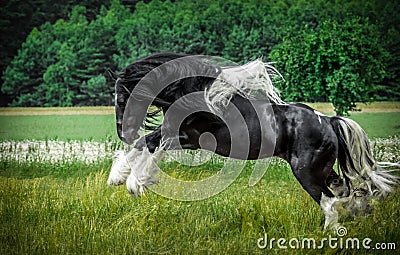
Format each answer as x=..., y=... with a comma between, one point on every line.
x=312, y=172
x=339, y=185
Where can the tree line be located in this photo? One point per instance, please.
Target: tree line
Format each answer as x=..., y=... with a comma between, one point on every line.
x=342, y=51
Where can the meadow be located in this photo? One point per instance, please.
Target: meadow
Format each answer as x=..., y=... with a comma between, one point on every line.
x=52, y=204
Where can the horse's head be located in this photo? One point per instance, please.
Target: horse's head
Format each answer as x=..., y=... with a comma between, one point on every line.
x=157, y=80
x=134, y=93
x=122, y=94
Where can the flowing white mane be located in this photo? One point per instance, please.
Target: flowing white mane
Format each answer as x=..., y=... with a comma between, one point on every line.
x=251, y=80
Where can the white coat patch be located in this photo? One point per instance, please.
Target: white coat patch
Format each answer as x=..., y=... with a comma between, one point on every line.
x=319, y=114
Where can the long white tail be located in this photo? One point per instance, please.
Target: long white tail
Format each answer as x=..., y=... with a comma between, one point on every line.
x=356, y=161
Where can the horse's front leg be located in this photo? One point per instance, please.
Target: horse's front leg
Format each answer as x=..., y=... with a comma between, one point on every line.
x=134, y=162
x=143, y=163
x=138, y=167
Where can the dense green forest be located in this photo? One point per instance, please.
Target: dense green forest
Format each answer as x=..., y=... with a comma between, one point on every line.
x=56, y=53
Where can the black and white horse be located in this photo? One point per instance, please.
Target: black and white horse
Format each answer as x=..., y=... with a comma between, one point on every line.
x=236, y=112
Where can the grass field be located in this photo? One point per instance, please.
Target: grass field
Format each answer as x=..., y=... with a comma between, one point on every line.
x=98, y=123
x=65, y=207
x=63, y=127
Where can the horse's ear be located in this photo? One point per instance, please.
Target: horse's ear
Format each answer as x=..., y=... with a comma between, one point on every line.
x=113, y=75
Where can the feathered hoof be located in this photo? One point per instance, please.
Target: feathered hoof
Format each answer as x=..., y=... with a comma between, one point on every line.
x=115, y=179
x=359, y=204
x=135, y=187
x=120, y=169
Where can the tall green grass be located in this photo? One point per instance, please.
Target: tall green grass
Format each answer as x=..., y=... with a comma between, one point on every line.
x=72, y=211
